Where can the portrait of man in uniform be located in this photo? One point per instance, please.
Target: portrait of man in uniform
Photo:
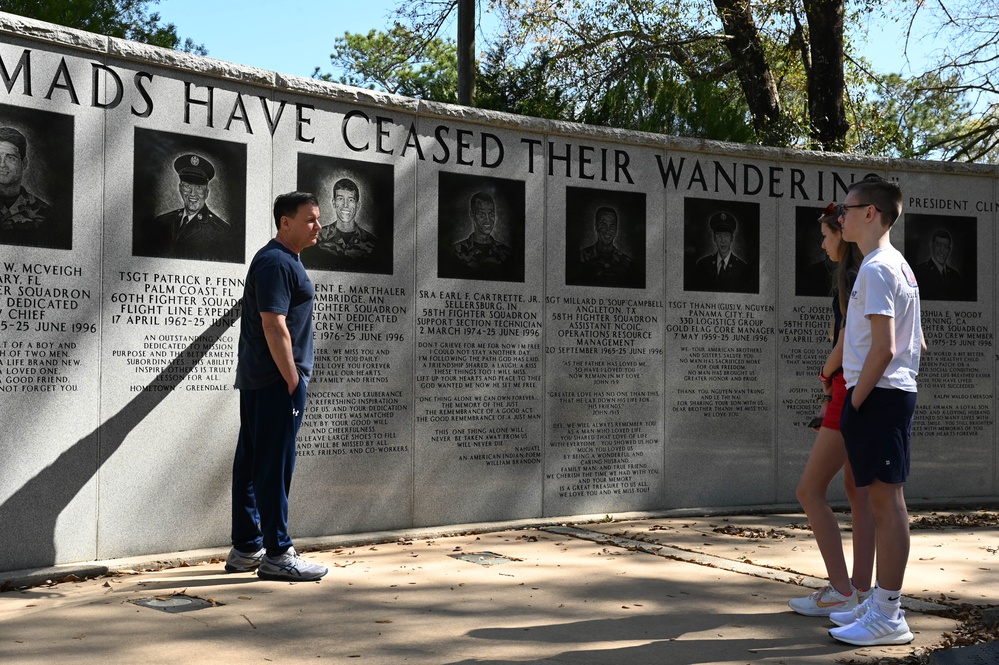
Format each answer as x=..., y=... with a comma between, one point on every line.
x=603, y=257
x=344, y=237
x=605, y=238
x=941, y=250
x=481, y=228
x=36, y=178
x=732, y=228
x=189, y=197
x=358, y=203
x=193, y=231
x=936, y=278
x=20, y=210
x=480, y=251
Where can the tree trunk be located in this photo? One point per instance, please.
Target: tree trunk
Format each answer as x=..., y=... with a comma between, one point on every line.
x=757, y=81
x=826, y=81
x=466, y=52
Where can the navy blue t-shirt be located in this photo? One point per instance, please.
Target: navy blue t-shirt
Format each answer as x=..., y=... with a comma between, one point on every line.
x=275, y=282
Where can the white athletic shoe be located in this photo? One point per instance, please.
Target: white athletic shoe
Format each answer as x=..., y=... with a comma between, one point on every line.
x=823, y=602
x=849, y=616
x=243, y=562
x=290, y=567
x=874, y=629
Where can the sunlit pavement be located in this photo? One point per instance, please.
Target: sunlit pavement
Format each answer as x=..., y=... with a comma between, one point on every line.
x=651, y=590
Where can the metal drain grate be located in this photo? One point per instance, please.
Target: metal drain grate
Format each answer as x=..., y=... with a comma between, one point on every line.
x=174, y=604
x=482, y=558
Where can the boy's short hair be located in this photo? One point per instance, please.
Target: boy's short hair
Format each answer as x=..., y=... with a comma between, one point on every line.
x=286, y=205
x=882, y=194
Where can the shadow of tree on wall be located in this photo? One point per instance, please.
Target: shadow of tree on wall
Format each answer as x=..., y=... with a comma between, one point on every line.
x=28, y=518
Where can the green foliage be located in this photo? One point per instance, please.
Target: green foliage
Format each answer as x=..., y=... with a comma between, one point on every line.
x=908, y=117
x=399, y=62
x=662, y=66
x=127, y=19
x=504, y=85
x=657, y=99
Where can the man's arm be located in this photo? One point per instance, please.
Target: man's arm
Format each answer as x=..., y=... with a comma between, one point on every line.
x=878, y=358
x=279, y=344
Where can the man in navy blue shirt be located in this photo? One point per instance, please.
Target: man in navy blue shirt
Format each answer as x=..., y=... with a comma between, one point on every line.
x=275, y=363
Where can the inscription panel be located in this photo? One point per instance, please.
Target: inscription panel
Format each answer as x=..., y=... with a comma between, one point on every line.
x=720, y=331
x=50, y=284
x=603, y=336
x=355, y=449
x=479, y=305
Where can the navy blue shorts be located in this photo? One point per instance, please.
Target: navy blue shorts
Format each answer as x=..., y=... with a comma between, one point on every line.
x=877, y=436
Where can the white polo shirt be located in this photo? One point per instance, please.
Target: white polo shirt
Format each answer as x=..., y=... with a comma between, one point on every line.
x=885, y=285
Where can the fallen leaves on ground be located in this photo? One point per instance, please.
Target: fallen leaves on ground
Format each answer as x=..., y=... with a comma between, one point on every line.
x=753, y=532
x=976, y=518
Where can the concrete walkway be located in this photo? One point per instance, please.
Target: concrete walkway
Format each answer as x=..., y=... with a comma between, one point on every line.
x=651, y=590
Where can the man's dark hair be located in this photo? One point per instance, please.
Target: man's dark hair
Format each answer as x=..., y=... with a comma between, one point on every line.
x=286, y=205
x=604, y=210
x=480, y=196
x=881, y=193
x=14, y=137
x=941, y=233
x=348, y=184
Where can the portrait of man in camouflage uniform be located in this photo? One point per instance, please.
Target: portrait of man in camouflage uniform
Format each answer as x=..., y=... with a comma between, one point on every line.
x=480, y=251
x=480, y=227
x=345, y=238
x=603, y=258
x=604, y=238
x=21, y=212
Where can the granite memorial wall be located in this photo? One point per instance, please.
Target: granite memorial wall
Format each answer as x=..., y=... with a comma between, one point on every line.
x=514, y=318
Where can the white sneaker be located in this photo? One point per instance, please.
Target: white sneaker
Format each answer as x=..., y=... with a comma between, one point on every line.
x=849, y=616
x=242, y=562
x=874, y=629
x=823, y=602
x=290, y=567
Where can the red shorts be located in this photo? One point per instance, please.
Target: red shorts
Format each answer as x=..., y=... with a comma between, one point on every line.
x=835, y=408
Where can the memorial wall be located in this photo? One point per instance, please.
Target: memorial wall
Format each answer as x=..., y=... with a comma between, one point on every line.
x=514, y=318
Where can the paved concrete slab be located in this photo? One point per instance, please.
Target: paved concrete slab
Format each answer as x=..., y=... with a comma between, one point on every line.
x=562, y=599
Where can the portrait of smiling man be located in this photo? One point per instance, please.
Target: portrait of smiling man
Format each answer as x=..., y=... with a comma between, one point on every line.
x=345, y=238
x=193, y=231
x=21, y=212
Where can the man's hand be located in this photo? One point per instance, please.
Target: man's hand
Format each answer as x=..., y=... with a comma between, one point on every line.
x=279, y=344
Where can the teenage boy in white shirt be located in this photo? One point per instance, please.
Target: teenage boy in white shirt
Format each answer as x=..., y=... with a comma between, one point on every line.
x=882, y=346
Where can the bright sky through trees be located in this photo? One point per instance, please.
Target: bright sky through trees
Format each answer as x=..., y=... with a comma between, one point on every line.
x=296, y=36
